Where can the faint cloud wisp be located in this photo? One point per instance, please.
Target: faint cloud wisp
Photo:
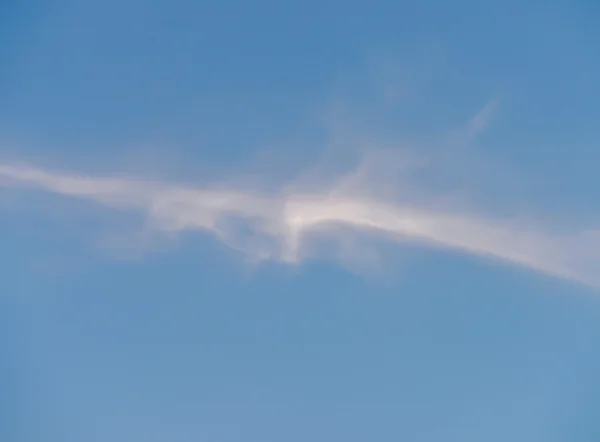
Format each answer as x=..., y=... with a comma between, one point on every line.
x=274, y=225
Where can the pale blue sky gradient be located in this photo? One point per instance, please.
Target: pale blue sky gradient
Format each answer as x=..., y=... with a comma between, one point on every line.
x=178, y=339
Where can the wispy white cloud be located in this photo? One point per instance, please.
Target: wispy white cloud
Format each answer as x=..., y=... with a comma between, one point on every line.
x=397, y=193
x=479, y=122
x=274, y=225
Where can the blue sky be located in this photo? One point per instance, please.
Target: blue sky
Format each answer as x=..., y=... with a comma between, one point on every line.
x=240, y=221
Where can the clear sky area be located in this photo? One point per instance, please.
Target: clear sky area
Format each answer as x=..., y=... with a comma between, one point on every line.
x=299, y=221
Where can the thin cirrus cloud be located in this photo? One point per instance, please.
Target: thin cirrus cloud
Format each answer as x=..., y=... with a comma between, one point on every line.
x=385, y=195
x=276, y=225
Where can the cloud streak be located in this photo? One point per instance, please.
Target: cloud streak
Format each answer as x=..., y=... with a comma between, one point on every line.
x=276, y=225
